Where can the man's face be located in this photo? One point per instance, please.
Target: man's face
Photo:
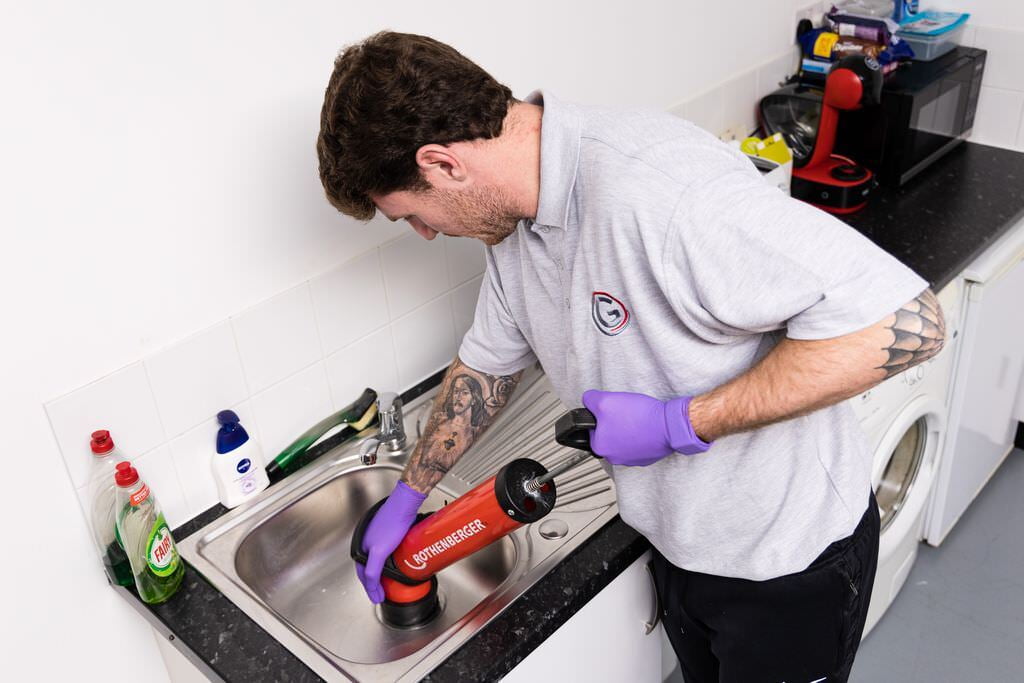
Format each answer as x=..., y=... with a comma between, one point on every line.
x=484, y=214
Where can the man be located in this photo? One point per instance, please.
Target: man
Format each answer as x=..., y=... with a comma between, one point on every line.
x=711, y=324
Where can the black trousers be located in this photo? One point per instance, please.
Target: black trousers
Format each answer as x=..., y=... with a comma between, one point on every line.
x=799, y=628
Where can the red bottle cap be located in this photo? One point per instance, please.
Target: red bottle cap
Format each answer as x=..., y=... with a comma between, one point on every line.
x=126, y=474
x=101, y=442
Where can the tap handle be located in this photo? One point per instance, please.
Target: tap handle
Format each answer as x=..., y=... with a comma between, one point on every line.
x=389, y=406
x=386, y=400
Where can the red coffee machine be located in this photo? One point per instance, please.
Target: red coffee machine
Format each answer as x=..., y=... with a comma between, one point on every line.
x=829, y=181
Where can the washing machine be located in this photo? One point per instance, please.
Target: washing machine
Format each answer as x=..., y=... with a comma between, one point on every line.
x=904, y=419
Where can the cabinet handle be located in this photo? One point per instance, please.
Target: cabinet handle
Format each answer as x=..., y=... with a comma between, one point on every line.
x=652, y=623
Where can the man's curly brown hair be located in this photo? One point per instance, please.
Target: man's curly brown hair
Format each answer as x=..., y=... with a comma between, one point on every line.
x=388, y=96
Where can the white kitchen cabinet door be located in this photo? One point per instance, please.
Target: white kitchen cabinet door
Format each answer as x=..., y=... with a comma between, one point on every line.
x=606, y=641
x=989, y=373
x=179, y=668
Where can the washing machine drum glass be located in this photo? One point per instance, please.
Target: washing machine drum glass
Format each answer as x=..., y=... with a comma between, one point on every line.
x=900, y=472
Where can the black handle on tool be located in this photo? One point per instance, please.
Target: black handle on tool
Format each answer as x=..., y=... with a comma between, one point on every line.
x=573, y=429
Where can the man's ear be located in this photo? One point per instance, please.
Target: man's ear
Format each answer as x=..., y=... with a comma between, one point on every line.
x=441, y=166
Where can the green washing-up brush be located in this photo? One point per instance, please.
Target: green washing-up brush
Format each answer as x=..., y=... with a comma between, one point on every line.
x=355, y=417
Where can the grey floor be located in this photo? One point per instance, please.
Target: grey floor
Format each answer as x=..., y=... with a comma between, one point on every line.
x=960, y=616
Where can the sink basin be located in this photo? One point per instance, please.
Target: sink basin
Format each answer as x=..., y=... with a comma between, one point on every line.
x=291, y=562
x=284, y=558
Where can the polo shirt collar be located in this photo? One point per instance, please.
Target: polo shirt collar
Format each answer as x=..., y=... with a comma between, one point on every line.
x=559, y=158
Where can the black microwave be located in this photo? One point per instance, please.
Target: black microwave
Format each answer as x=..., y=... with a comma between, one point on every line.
x=927, y=109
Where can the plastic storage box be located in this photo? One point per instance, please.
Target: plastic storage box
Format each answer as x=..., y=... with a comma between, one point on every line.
x=927, y=48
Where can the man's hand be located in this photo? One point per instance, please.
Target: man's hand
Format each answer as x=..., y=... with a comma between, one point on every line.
x=385, y=532
x=636, y=429
x=464, y=407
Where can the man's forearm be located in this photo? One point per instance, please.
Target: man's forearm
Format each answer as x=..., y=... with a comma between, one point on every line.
x=441, y=444
x=799, y=377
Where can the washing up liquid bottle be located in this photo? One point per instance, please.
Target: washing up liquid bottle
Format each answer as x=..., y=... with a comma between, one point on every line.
x=156, y=564
x=103, y=508
x=238, y=463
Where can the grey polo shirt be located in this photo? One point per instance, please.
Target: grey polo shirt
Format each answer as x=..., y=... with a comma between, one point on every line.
x=661, y=263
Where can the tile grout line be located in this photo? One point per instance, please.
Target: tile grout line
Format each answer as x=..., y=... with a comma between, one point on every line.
x=320, y=340
x=67, y=470
x=166, y=443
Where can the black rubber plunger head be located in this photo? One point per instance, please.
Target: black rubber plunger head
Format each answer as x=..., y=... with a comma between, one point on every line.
x=406, y=606
x=412, y=614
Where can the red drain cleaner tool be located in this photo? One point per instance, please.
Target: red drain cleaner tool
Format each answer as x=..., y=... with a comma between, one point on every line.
x=523, y=491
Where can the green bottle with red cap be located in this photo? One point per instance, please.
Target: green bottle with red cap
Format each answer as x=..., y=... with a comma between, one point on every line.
x=156, y=564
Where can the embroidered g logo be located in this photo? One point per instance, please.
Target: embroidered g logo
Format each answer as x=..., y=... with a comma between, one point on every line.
x=610, y=315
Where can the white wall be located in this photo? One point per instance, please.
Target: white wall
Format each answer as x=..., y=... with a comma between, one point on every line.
x=997, y=26
x=162, y=218
x=159, y=182
x=1002, y=13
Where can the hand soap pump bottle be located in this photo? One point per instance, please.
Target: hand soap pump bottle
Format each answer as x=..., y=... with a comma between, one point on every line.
x=238, y=463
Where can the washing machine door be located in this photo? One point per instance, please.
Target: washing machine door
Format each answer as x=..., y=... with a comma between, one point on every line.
x=903, y=464
x=903, y=473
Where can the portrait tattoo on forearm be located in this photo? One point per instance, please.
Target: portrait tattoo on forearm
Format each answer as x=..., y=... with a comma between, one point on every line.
x=919, y=330
x=463, y=408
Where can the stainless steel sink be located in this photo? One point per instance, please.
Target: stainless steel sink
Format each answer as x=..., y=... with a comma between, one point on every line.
x=284, y=558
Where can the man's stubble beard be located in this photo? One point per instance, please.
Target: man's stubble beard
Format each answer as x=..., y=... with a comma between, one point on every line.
x=487, y=214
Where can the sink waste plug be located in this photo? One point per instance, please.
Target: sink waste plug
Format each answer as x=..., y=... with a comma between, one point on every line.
x=523, y=491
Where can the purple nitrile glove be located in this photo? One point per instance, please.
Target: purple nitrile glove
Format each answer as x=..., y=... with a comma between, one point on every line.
x=637, y=429
x=386, y=530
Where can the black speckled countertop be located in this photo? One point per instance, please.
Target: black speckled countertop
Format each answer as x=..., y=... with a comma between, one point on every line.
x=944, y=218
x=937, y=224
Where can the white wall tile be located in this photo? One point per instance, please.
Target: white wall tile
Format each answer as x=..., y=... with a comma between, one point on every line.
x=424, y=341
x=739, y=103
x=998, y=118
x=706, y=111
x=464, y=299
x=349, y=301
x=277, y=338
x=191, y=454
x=368, y=362
x=121, y=403
x=812, y=11
x=970, y=37
x=82, y=493
x=465, y=259
x=287, y=409
x=195, y=378
x=156, y=468
x=1005, y=56
x=1020, y=133
x=682, y=110
x=414, y=272
x=772, y=73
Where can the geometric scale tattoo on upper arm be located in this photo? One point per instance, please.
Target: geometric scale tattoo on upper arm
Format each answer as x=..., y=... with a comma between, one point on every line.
x=919, y=331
